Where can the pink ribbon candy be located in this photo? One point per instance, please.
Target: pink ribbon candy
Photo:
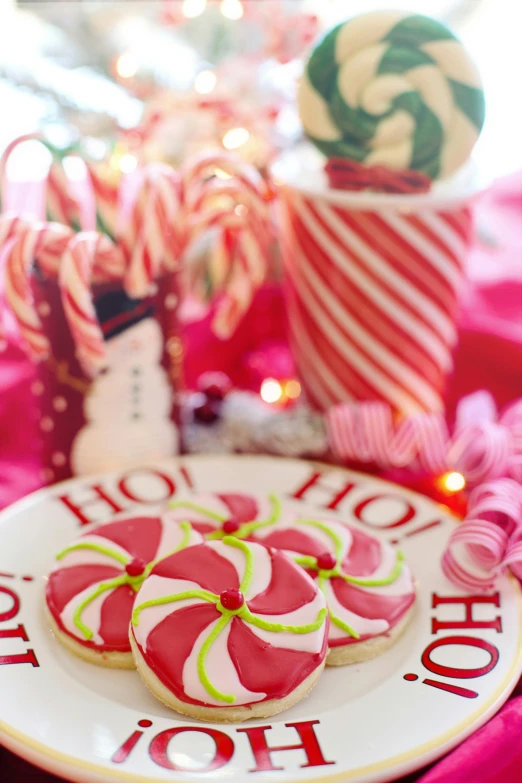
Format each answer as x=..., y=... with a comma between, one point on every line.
x=482, y=447
x=490, y=538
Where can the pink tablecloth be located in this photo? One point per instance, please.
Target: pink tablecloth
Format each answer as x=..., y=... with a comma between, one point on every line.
x=489, y=355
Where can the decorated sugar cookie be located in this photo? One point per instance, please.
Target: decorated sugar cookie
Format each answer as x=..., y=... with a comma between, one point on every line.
x=223, y=514
x=367, y=585
x=393, y=89
x=91, y=591
x=229, y=630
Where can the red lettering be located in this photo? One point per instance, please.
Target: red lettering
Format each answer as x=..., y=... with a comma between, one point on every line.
x=27, y=657
x=168, y=485
x=14, y=633
x=186, y=475
x=262, y=752
x=15, y=608
x=406, y=516
x=468, y=622
x=223, y=753
x=315, y=482
x=460, y=674
x=455, y=689
x=124, y=751
x=99, y=495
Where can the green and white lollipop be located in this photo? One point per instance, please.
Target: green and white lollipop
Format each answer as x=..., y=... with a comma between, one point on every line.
x=394, y=89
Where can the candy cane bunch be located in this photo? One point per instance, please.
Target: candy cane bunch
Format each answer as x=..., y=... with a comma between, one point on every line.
x=76, y=260
x=152, y=231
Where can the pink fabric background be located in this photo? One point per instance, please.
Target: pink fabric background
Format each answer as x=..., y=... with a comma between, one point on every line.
x=489, y=355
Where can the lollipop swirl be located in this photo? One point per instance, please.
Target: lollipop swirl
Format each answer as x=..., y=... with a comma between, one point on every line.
x=393, y=89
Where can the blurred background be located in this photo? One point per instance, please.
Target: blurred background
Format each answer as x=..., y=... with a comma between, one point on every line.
x=161, y=79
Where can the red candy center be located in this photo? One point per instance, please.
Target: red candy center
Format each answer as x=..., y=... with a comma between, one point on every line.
x=231, y=526
x=326, y=561
x=232, y=599
x=136, y=567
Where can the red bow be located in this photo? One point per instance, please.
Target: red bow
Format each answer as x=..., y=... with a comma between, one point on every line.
x=346, y=174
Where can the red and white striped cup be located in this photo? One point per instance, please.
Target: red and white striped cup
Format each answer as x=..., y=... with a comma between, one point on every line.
x=372, y=284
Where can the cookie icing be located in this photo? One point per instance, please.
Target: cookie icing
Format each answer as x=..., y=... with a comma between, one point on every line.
x=367, y=585
x=216, y=515
x=230, y=622
x=91, y=591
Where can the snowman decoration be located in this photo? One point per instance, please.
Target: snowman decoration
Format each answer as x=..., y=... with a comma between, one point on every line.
x=128, y=407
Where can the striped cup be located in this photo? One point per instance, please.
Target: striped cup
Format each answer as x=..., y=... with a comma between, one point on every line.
x=372, y=284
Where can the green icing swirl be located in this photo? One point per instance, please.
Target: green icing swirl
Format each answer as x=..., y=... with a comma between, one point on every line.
x=245, y=530
x=135, y=582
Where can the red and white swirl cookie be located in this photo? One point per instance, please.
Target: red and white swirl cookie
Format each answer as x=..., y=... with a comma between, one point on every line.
x=368, y=586
x=215, y=515
x=90, y=593
x=229, y=630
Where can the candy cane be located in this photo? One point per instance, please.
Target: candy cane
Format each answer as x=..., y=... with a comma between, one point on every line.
x=60, y=205
x=75, y=276
x=105, y=187
x=30, y=242
x=151, y=240
x=239, y=208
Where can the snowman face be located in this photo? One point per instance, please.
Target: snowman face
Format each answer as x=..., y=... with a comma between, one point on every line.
x=140, y=344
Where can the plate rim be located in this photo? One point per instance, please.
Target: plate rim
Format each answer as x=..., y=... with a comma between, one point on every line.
x=62, y=764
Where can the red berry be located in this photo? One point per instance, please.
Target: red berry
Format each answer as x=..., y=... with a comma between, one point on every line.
x=136, y=567
x=326, y=561
x=232, y=599
x=231, y=526
x=215, y=385
x=206, y=412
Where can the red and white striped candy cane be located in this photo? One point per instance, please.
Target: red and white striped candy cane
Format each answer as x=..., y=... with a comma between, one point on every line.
x=105, y=185
x=61, y=206
x=151, y=239
x=75, y=277
x=30, y=242
x=239, y=207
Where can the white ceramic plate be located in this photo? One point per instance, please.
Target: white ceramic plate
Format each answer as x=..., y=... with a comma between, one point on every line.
x=453, y=668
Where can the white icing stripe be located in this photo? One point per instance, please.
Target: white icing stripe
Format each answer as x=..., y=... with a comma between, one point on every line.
x=315, y=113
x=262, y=566
x=363, y=625
x=220, y=671
x=91, y=615
x=306, y=642
x=158, y=587
x=435, y=92
x=91, y=556
x=358, y=71
x=172, y=536
x=453, y=61
x=365, y=30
